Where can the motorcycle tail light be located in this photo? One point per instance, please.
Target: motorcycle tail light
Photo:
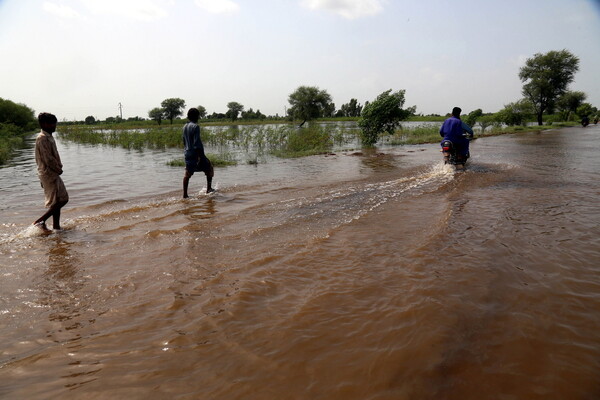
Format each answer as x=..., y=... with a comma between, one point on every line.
x=445, y=148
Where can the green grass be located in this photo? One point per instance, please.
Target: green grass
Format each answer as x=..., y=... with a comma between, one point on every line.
x=216, y=160
x=159, y=137
x=301, y=142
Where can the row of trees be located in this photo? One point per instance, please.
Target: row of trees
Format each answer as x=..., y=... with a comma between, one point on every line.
x=306, y=103
x=174, y=107
x=546, y=79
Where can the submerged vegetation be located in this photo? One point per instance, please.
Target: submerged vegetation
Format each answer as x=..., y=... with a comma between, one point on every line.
x=251, y=144
x=215, y=160
x=254, y=141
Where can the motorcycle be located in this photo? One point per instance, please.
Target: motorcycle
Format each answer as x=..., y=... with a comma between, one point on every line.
x=450, y=153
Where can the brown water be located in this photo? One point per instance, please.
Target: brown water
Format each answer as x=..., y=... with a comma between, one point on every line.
x=374, y=276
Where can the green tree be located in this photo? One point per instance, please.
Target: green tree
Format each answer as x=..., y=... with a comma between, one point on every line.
x=487, y=120
x=202, y=110
x=308, y=103
x=16, y=114
x=585, y=110
x=90, y=120
x=383, y=115
x=173, y=108
x=546, y=77
x=15, y=121
x=251, y=114
x=156, y=114
x=568, y=103
x=351, y=109
x=233, y=110
x=515, y=113
x=473, y=116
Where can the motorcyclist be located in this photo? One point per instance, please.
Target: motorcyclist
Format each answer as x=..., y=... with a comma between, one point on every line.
x=453, y=128
x=585, y=121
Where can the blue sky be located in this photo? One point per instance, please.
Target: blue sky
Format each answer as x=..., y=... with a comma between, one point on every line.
x=83, y=57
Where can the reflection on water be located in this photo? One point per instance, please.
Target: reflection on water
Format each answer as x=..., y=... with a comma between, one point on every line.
x=377, y=275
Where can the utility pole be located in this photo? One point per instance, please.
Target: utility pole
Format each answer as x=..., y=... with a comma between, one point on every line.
x=121, y=111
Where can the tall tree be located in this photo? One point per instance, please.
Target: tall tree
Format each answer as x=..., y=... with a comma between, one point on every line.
x=308, y=103
x=233, y=110
x=383, y=115
x=202, y=111
x=173, y=108
x=546, y=77
x=156, y=114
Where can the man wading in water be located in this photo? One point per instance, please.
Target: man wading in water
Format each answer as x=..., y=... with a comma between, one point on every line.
x=49, y=170
x=195, y=159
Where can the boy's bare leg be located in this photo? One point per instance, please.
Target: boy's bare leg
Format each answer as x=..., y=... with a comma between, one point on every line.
x=53, y=211
x=209, y=172
x=186, y=182
x=56, y=216
x=41, y=222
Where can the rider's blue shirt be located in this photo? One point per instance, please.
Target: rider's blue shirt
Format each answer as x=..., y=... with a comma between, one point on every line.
x=192, y=144
x=452, y=129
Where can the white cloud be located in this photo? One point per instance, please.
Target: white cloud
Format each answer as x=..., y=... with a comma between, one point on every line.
x=60, y=10
x=143, y=10
x=350, y=9
x=218, y=6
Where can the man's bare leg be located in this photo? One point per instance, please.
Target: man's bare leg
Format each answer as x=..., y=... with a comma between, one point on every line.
x=209, y=188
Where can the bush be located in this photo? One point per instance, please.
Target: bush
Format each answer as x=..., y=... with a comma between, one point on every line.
x=11, y=137
x=382, y=115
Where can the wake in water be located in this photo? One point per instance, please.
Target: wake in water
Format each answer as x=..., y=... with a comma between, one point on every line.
x=321, y=210
x=318, y=209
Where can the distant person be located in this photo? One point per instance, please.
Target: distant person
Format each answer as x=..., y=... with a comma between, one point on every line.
x=49, y=169
x=452, y=129
x=195, y=159
x=585, y=121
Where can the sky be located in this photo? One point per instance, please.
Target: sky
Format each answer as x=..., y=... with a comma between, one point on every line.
x=79, y=58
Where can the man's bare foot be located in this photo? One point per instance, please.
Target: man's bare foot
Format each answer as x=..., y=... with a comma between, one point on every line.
x=185, y=196
x=210, y=190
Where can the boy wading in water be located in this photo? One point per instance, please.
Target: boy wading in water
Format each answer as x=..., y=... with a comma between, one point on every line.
x=195, y=159
x=49, y=169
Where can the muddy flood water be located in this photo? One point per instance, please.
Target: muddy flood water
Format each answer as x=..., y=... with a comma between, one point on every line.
x=382, y=275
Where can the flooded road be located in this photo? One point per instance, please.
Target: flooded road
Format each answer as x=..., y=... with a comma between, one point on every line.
x=381, y=275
